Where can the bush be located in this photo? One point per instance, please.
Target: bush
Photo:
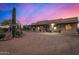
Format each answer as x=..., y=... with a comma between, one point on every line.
x=2, y=35
x=5, y=29
x=2, y=30
x=78, y=30
x=18, y=33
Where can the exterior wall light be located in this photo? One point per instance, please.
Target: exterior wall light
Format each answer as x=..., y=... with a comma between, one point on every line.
x=52, y=25
x=78, y=25
x=55, y=28
x=38, y=28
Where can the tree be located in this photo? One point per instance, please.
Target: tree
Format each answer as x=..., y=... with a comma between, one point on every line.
x=24, y=27
x=6, y=22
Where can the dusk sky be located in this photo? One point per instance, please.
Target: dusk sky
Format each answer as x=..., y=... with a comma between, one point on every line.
x=29, y=12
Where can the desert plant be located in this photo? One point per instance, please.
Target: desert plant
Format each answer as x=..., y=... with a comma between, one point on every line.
x=2, y=35
x=18, y=33
x=6, y=22
x=14, y=22
x=78, y=30
x=4, y=29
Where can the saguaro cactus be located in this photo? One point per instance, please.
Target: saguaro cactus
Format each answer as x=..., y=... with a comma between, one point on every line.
x=14, y=22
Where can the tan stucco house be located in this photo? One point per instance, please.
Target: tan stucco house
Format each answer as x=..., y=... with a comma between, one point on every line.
x=57, y=25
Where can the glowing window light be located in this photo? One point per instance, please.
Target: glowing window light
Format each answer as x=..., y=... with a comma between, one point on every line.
x=52, y=25
x=38, y=28
x=55, y=28
x=78, y=25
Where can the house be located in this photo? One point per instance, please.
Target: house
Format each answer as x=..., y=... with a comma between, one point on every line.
x=57, y=25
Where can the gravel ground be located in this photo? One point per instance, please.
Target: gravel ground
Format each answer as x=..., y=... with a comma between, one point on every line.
x=33, y=43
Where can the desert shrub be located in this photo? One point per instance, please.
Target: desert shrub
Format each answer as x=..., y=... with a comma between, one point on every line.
x=18, y=33
x=78, y=30
x=1, y=31
x=5, y=29
x=24, y=28
x=2, y=35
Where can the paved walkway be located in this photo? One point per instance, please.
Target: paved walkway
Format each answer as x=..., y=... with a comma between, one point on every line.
x=41, y=43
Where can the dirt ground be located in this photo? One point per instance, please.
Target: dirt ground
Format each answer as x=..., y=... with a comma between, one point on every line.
x=33, y=43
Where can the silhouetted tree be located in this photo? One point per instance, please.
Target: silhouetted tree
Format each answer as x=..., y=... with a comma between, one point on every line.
x=6, y=22
x=24, y=28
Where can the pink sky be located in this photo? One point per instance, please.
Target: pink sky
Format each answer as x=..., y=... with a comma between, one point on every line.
x=29, y=13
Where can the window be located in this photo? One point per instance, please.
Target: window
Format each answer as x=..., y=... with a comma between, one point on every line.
x=52, y=25
x=68, y=27
x=55, y=28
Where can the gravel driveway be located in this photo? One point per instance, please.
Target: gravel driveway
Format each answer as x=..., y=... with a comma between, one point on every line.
x=33, y=43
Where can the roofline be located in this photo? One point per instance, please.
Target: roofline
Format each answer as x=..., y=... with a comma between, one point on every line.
x=55, y=20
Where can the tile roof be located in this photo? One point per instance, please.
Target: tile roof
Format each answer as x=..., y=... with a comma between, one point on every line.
x=65, y=20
